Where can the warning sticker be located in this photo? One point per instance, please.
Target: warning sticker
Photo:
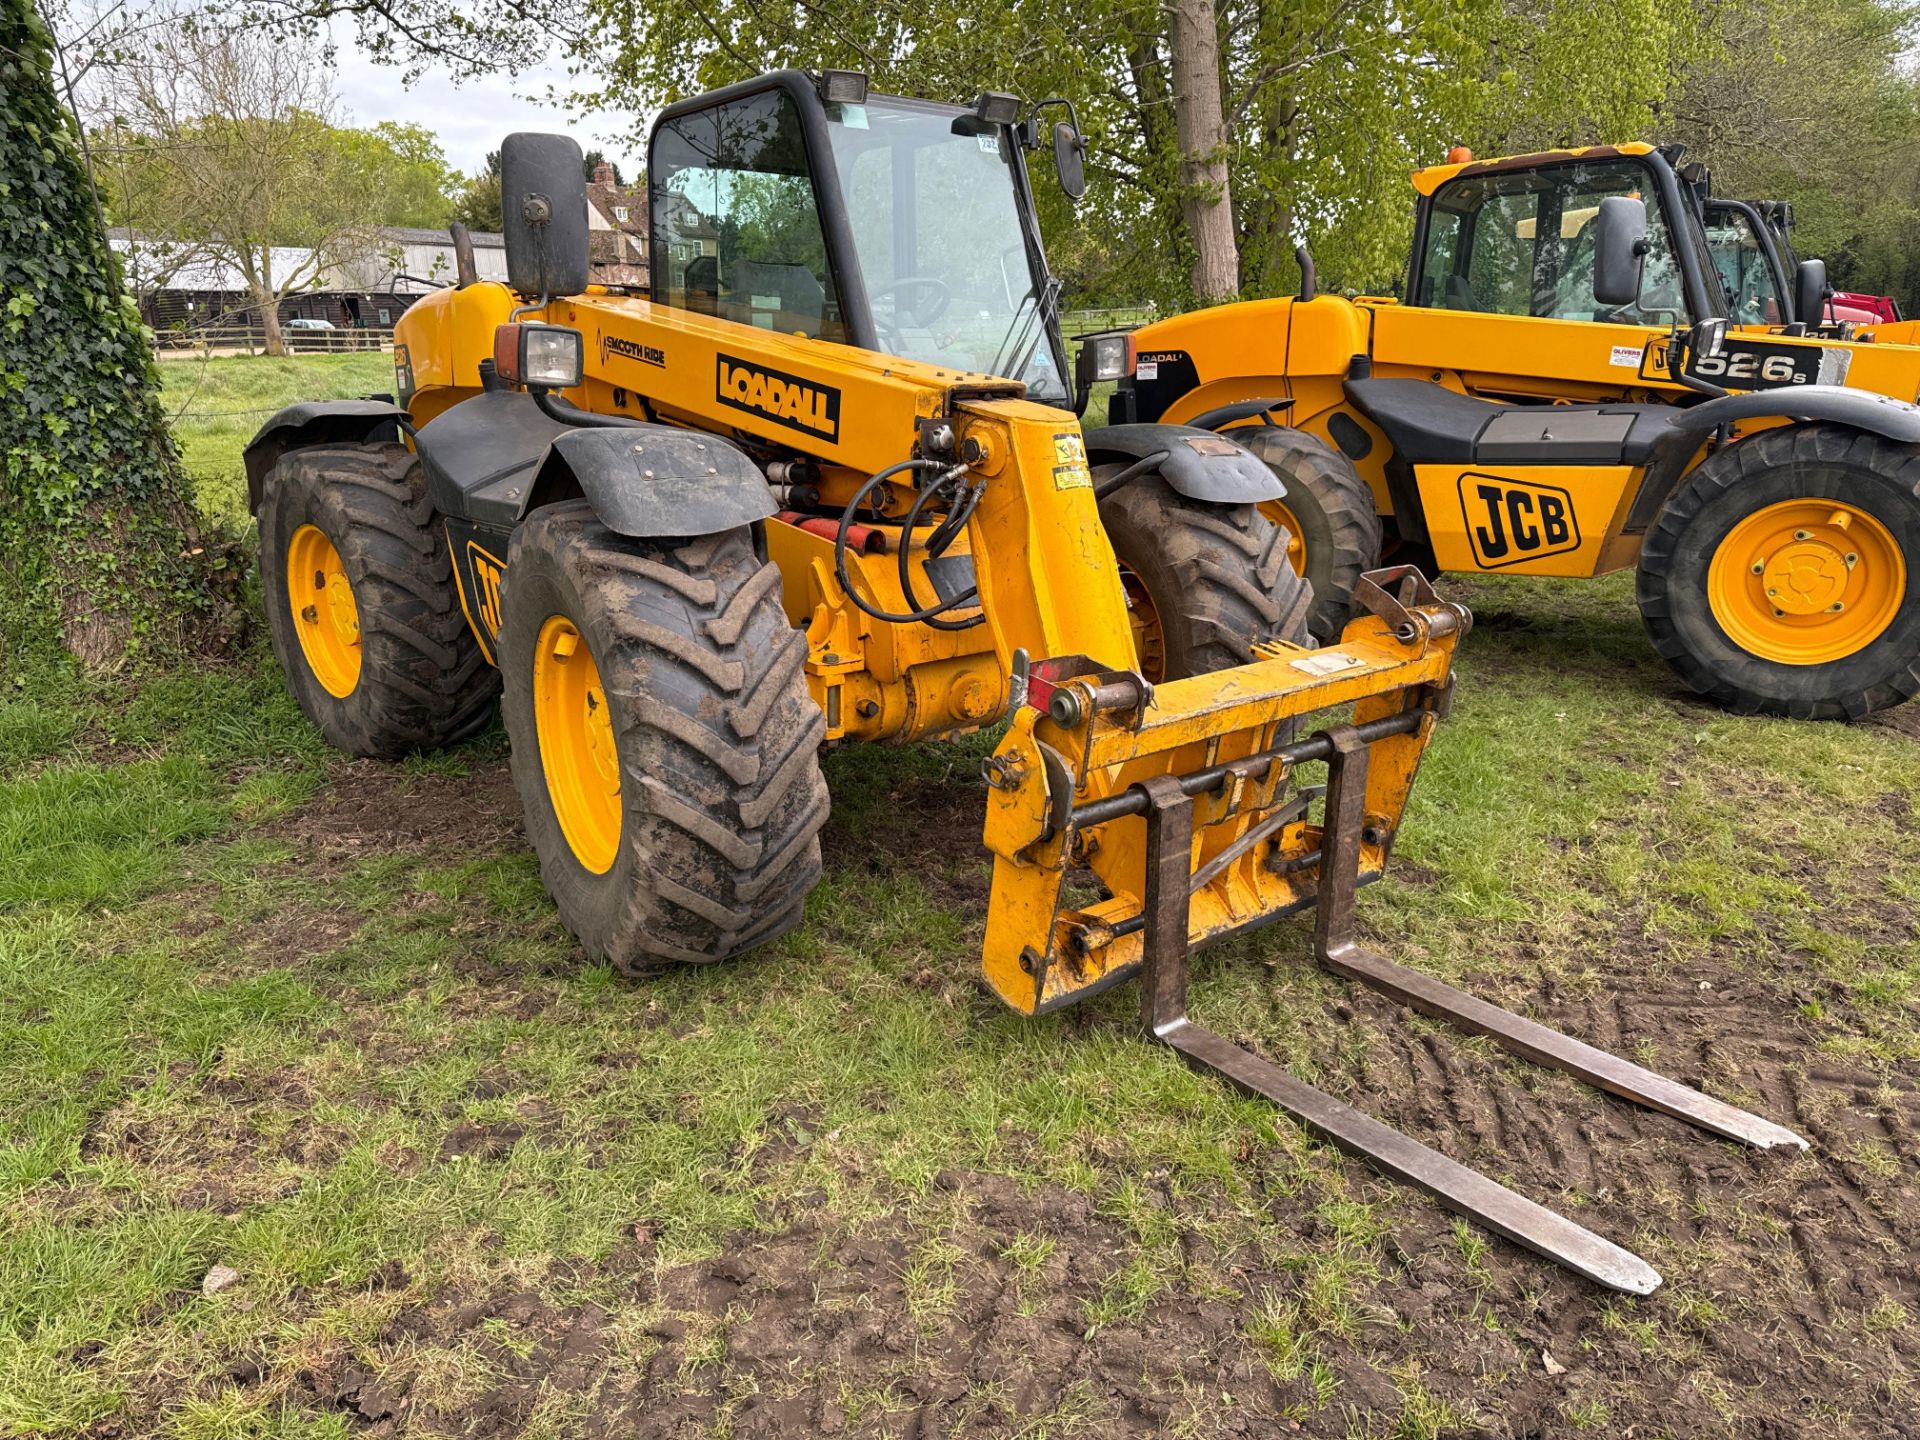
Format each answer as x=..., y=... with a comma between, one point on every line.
x=1072, y=477
x=1069, y=448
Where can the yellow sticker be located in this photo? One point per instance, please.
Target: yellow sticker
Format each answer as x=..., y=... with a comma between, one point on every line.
x=1070, y=449
x=1072, y=477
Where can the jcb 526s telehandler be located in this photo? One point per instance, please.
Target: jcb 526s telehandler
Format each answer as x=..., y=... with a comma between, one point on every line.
x=1561, y=392
x=819, y=487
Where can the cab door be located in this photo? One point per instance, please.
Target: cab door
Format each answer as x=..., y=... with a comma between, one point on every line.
x=1502, y=284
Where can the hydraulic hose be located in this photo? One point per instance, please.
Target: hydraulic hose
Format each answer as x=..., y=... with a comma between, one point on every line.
x=930, y=614
x=943, y=535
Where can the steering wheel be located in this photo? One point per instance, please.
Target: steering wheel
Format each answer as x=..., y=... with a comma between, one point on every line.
x=937, y=296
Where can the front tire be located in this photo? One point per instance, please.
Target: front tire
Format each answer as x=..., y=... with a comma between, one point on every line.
x=361, y=603
x=1329, y=512
x=664, y=744
x=1205, y=583
x=1783, y=576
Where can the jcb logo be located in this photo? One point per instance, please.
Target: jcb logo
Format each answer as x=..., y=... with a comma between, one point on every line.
x=775, y=395
x=486, y=572
x=1513, y=520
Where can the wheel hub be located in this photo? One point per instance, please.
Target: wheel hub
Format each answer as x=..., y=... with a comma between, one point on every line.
x=1805, y=577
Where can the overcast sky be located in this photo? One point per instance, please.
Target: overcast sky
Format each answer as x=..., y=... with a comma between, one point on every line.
x=471, y=118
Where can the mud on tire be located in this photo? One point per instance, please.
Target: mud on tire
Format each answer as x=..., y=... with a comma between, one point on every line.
x=1339, y=526
x=1787, y=463
x=1216, y=578
x=721, y=796
x=423, y=682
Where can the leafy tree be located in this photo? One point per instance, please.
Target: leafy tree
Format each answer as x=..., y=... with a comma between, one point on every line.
x=1816, y=102
x=221, y=147
x=477, y=205
x=99, y=543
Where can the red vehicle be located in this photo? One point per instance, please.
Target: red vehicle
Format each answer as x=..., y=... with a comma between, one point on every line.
x=1875, y=309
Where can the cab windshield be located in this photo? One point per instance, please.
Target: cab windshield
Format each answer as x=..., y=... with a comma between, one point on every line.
x=935, y=214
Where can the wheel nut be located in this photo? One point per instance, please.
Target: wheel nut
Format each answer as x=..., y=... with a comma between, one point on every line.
x=311, y=615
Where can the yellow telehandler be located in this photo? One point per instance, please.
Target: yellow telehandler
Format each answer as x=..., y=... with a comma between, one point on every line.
x=819, y=487
x=1566, y=388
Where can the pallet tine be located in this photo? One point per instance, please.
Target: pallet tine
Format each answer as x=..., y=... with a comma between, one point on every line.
x=1163, y=1004
x=1336, y=948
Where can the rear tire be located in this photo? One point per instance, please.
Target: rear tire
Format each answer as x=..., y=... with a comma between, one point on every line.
x=1753, y=521
x=719, y=799
x=407, y=673
x=1330, y=512
x=1205, y=583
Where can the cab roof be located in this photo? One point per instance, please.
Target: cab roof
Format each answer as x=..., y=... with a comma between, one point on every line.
x=1432, y=177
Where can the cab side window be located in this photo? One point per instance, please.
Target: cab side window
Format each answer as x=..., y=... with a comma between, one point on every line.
x=1745, y=274
x=1522, y=243
x=736, y=220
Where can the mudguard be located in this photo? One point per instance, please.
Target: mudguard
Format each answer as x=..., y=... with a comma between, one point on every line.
x=1862, y=409
x=316, y=422
x=494, y=458
x=1199, y=464
x=656, y=481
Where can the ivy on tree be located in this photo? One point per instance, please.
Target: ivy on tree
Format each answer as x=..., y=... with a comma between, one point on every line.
x=99, y=538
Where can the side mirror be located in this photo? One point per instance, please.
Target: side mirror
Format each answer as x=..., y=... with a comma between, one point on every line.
x=1619, y=250
x=1070, y=159
x=543, y=212
x=1810, y=292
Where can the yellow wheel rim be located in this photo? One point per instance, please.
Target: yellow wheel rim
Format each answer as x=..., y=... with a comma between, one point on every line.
x=1277, y=511
x=577, y=754
x=1149, y=642
x=325, y=615
x=1806, y=582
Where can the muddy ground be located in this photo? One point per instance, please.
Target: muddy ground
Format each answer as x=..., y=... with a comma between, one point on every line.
x=1794, y=1268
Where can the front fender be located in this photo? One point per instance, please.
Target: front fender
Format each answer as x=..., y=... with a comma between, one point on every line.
x=1862, y=409
x=316, y=422
x=656, y=481
x=1199, y=464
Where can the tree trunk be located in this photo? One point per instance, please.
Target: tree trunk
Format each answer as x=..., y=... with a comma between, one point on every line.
x=100, y=553
x=268, y=305
x=1206, y=198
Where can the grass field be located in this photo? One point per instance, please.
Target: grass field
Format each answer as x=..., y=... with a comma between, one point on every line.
x=312, y=1123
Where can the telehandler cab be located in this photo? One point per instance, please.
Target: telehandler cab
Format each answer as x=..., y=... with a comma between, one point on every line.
x=1562, y=390
x=820, y=487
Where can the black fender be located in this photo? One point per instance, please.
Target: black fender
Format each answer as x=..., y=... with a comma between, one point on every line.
x=316, y=422
x=1196, y=463
x=656, y=481
x=1866, y=410
x=494, y=458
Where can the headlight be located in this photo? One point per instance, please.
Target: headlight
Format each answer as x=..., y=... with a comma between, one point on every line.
x=1112, y=356
x=551, y=356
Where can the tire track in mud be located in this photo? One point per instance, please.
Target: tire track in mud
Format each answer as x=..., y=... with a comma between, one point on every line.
x=1778, y=1264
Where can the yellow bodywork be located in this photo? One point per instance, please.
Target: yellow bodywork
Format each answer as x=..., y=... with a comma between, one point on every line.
x=1303, y=351
x=1049, y=587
